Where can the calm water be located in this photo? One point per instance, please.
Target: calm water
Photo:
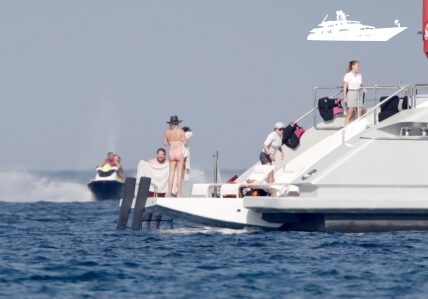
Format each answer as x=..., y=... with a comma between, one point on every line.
x=71, y=249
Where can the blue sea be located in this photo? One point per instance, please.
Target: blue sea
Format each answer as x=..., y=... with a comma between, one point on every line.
x=57, y=242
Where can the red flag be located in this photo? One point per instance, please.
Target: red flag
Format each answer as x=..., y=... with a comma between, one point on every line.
x=425, y=25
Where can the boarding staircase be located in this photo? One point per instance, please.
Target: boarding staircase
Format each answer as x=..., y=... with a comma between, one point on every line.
x=324, y=137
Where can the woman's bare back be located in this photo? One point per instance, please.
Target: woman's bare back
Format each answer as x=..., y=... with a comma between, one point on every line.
x=175, y=139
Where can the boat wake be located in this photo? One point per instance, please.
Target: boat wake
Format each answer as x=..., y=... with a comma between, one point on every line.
x=207, y=230
x=25, y=186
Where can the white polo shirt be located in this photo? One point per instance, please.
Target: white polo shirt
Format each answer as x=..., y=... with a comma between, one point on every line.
x=354, y=81
x=273, y=142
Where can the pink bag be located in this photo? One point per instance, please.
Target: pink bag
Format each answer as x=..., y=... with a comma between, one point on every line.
x=338, y=110
x=299, y=132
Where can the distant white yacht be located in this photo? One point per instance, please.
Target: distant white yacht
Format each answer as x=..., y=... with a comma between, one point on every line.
x=346, y=30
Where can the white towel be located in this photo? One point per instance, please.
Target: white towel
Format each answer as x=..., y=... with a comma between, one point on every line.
x=157, y=172
x=188, y=134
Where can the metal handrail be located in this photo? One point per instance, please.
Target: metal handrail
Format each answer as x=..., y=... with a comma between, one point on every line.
x=373, y=109
x=155, y=188
x=415, y=90
x=374, y=88
x=316, y=104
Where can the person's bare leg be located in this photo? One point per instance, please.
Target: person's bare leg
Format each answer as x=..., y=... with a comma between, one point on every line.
x=158, y=220
x=172, y=166
x=271, y=180
x=180, y=171
x=184, y=167
x=362, y=111
x=270, y=177
x=148, y=219
x=349, y=115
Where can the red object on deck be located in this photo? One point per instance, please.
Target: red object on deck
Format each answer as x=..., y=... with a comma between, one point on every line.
x=425, y=25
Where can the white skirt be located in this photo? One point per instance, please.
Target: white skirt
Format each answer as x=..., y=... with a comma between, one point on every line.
x=354, y=99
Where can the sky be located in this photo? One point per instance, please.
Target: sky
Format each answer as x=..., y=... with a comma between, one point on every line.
x=81, y=78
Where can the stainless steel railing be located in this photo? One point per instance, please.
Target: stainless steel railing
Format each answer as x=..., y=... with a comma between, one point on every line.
x=417, y=93
x=407, y=89
x=371, y=97
x=317, y=90
x=315, y=107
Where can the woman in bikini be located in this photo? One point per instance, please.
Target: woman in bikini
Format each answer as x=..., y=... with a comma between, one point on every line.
x=176, y=140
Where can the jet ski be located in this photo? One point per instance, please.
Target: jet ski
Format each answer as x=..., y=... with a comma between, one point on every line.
x=107, y=184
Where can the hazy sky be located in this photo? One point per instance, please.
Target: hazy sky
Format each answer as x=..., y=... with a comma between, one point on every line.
x=80, y=78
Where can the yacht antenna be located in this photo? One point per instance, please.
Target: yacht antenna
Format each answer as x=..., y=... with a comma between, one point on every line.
x=324, y=19
x=215, y=157
x=216, y=171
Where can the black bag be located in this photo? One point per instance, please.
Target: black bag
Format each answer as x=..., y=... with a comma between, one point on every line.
x=292, y=135
x=288, y=131
x=385, y=114
x=392, y=106
x=326, y=107
x=293, y=141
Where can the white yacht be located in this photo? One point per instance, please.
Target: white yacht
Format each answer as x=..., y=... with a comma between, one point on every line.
x=343, y=29
x=368, y=176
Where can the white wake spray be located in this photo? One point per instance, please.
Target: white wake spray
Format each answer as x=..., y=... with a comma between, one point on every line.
x=23, y=186
x=26, y=186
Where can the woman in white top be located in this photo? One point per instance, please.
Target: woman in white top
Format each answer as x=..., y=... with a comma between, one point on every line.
x=272, y=143
x=351, y=90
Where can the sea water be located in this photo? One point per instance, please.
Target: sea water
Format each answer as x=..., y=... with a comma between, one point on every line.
x=67, y=246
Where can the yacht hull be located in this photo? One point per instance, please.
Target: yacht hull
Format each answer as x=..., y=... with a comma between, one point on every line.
x=327, y=216
x=260, y=213
x=220, y=212
x=381, y=34
x=357, y=222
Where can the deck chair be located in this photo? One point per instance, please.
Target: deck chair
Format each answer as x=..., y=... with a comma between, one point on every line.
x=258, y=176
